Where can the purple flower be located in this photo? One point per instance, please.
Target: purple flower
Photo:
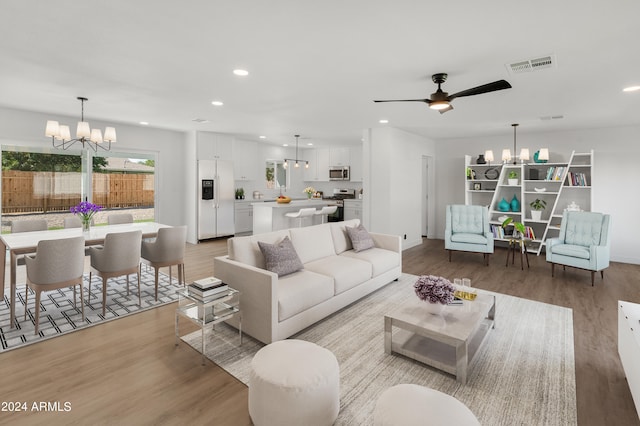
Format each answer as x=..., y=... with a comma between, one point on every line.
x=85, y=210
x=434, y=289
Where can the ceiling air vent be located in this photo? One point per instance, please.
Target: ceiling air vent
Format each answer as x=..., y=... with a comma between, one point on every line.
x=552, y=117
x=529, y=65
x=200, y=120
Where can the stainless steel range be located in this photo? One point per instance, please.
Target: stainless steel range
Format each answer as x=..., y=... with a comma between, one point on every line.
x=339, y=195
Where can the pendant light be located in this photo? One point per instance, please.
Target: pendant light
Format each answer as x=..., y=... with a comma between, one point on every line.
x=286, y=160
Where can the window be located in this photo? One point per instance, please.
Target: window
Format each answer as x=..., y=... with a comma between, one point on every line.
x=44, y=185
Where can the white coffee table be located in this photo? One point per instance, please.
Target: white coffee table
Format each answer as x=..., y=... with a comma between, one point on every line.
x=447, y=341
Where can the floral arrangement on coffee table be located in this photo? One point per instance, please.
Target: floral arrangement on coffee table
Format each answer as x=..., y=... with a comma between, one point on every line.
x=434, y=289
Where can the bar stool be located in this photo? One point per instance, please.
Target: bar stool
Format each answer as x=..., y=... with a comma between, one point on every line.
x=301, y=214
x=326, y=211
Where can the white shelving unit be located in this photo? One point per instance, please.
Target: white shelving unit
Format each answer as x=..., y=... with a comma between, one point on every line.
x=559, y=184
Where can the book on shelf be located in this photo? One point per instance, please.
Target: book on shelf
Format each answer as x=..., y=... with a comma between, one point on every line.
x=208, y=282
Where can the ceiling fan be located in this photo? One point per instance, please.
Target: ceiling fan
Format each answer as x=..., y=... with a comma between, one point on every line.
x=441, y=101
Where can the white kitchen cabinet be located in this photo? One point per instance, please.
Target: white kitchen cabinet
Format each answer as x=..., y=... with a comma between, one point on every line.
x=355, y=159
x=629, y=346
x=318, y=170
x=353, y=209
x=246, y=162
x=214, y=146
x=243, y=216
x=339, y=157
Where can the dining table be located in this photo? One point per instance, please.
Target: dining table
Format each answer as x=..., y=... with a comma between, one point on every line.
x=27, y=242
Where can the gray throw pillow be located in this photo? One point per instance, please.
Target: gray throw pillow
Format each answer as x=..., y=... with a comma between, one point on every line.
x=281, y=257
x=360, y=238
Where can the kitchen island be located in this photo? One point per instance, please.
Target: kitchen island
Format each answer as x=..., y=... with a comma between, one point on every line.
x=270, y=216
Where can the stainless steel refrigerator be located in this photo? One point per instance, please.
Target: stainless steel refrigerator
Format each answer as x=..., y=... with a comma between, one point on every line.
x=216, y=198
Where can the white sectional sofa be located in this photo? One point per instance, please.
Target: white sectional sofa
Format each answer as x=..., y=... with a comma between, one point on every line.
x=334, y=275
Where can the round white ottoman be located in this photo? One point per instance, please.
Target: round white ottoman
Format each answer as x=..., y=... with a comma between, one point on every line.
x=294, y=382
x=414, y=405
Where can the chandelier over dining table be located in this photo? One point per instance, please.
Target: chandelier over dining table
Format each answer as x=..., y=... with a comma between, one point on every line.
x=85, y=135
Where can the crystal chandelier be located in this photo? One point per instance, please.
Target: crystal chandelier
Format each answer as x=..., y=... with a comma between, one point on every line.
x=88, y=137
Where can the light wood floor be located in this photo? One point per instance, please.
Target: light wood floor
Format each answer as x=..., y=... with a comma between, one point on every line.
x=130, y=372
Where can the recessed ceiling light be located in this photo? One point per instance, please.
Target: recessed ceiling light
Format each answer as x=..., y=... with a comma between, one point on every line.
x=144, y=123
x=309, y=144
x=216, y=103
x=285, y=144
x=240, y=72
x=631, y=89
x=383, y=121
x=262, y=137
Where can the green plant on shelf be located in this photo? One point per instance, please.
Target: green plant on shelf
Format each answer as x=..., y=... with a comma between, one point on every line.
x=513, y=174
x=538, y=204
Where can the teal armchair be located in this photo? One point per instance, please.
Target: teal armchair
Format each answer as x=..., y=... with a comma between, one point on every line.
x=584, y=243
x=467, y=229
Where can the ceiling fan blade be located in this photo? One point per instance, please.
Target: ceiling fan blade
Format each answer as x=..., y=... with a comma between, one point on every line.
x=407, y=100
x=485, y=88
x=442, y=111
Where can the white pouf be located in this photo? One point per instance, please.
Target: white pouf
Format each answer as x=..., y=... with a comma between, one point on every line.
x=413, y=405
x=294, y=382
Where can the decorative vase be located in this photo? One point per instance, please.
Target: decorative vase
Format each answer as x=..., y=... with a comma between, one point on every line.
x=481, y=159
x=536, y=214
x=86, y=225
x=434, y=308
x=515, y=204
x=308, y=195
x=503, y=205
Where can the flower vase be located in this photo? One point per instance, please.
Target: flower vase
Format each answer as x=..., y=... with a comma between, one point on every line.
x=434, y=308
x=308, y=196
x=86, y=225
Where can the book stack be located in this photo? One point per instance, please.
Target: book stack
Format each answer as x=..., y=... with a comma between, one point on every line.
x=207, y=288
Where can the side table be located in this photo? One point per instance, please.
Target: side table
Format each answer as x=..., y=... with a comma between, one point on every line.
x=520, y=243
x=208, y=311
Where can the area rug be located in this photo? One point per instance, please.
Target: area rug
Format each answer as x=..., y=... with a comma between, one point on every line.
x=58, y=315
x=524, y=374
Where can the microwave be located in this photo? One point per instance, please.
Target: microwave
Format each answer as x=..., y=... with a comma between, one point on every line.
x=339, y=173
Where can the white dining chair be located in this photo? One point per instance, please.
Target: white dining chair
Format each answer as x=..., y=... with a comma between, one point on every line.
x=120, y=255
x=167, y=250
x=56, y=264
x=116, y=219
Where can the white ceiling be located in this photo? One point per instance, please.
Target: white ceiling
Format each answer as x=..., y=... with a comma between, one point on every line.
x=316, y=66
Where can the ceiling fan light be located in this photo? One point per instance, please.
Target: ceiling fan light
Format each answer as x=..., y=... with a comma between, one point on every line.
x=438, y=105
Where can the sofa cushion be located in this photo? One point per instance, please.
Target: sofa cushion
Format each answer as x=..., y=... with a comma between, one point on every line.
x=281, y=257
x=246, y=250
x=300, y=291
x=341, y=240
x=469, y=238
x=571, y=250
x=312, y=242
x=346, y=272
x=381, y=260
x=360, y=238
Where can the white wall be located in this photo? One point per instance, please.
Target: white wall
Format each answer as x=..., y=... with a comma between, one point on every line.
x=616, y=154
x=25, y=128
x=393, y=165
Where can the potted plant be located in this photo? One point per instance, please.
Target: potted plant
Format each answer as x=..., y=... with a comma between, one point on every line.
x=518, y=226
x=513, y=177
x=240, y=194
x=537, y=206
